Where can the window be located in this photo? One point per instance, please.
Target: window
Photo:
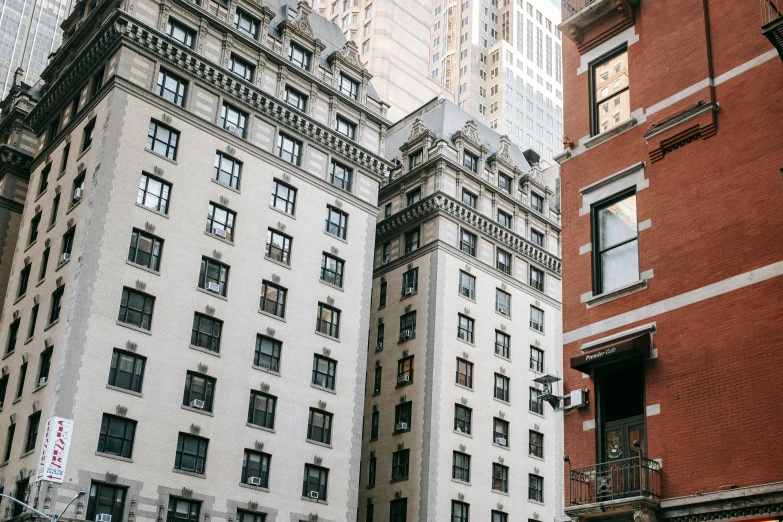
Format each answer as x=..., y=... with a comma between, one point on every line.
x=499, y=516
x=382, y=295
x=213, y=276
x=469, y=199
x=246, y=23
x=535, y=489
x=341, y=176
x=386, y=253
x=348, y=86
x=9, y=442
x=379, y=339
x=262, y=409
x=412, y=240
x=24, y=278
x=77, y=190
x=328, y=320
x=180, y=33
x=295, y=99
x=13, y=334
x=199, y=391
x=136, y=308
x=460, y=466
x=502, y=387
x=44, y=366
x=470, y=161
x=609, y=83
x=44, y=183
x=67, y=245
x=376, y=387
x=400, y=464
x=464, y=373
x=289, y=149
x=332, y=270
x=536, y=404
x=536, y=359
x=255, y=468
x=22, y=376
x=154, y=193
x=33, y=421
x=467, y=242
x=465, y=328
x=57, y=300
x=324, y=370
x=220, y=221
x=408, y=326
x=616, y=245
x=502, y=302
x=398, y=510
x=106, y=499
x=30, y=330
x=537, y=279
x=536, y=448
x=500, y=478
x=273, y=299
x=163, y=140
x=171, y=87
x=126, y=370
x=537, y=202
x=413, y=196
x=206, y=332
x=89, y=132
x=346, y=128
x=241, y=68
x=467, y=285
x=405, y=371
x=462, y=417
x=55, y=207
x=233, y=120
x=537, y=237
x=316, y=480
x=283, y=197
x=410, y=282
x=402, y=416
x=459, y=511
x=415, y=159
x=504, y=182
x=371, y=475
x=500, y=432
x=504, y=218
x=227, y=170
x=267, y=353
x=504, y=261
x=299, y=56
x=191, y=453
x=145, y=249
x=336, y=222
x=181, y=510
x=387, y=210
x=374, y=425
x=502, y=344
x=250, y=516
x=537, y=319
x=278, y=247
x=116, y=436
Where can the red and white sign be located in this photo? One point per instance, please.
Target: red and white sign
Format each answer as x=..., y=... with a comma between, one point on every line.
x=54, y=451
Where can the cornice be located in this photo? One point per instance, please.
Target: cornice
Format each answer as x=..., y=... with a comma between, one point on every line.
x=15, y=161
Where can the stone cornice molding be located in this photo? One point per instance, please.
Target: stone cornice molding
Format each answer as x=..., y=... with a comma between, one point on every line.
x=15, y=161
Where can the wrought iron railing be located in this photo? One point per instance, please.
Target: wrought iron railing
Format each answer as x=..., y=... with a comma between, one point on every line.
x=770, y=11
x=570, y=7
x=616, y=479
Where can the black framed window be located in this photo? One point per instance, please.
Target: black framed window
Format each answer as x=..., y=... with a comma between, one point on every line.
x=415, y=158
x=460, y=466
x=77, y=190
x=273, y=298
x=536, y=405
x=401, y=464
x=470, y=161
x=467, y=285
x=67, y=148
x=410, y=282
x=241, y=67
x=536, y=319
x=464, y=372
x=316, y=482
x=413, y=196
x=55, y=207
x=267, y=353
x=116, y=436
x=403, y=415
x=376, y=387
x=126, y=370
x=136, y=308
x=502, y=387
x=35, y=224
x=31, y=325
x=250, y=516
x=67, y=245
x=106, y=499
x=504, y=183
x=246, y=23
x=537, y=202
x=289, y=149
x=465, y=328
x=228, y=170
x=57, y=304
x=180, y=32
x=154, y=193
x=191, y=453
x=332, y=269
x=33, y=422
x=537, y=278
x=499, y=477
x=199, y=391
x=145, y=249
x=233, y=120
x=255, y=468
x=502, y=344
x=502, y=302
x=537, y=237
x=405, y=370
x=500, y=432
x=398, y=510
x=499, y=516
x=43, y=184
x=462, y=418
x=374, y=425
x=89, y=133
x=609, y=91
x=162, y=140
x=467, y=242
x=13, y=335
x=24, y=278
x=370, y=509
x=328, y=320
x=341, y=176
x=349, y=86
x=505, y=219
x=206, y=332
x=278, y=246
x=469, y=198
x=336, y=222
x=412, y=238
x=387, y=210
x=615, y=243
x=44, y=365
x=19, y=492
x=536, y=359
x=460, y=511
x=262, y=409
x=9, y=443
x=220, y=221
x=97, y=81
x=213, y=276
x=371, y=474
x=283, y=197
x=386, y=253
x=183, y=510
x=295, y=98
x=408, y=326
x=535, y=490
x=171, y=87
x=324, y=371
x=345, y=127
x=44, y=264
x=299, y=56
x=536, y=444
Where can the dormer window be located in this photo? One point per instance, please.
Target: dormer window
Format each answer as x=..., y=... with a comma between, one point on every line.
x=218, y=8
x=504, y=182
x=415, y=159
x=537, y=202
x=299, y=56
x=470, y=161
x=348, y=86
x=246, y=23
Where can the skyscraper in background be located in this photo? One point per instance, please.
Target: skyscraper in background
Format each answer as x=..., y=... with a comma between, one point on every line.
x=29, y=32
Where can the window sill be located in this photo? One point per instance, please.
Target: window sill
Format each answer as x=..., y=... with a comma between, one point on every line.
x=537, y=331
x=338, y=238
x=161, y=156
x=213, y=294
x=191, y=473
x=502, y=357
x=256, y=488
x=468, y=435
x=403, y=384
x=3, y=464
x=327, y=390
x=30, y=245
x=115, y=457
x=142, y=267
x=282, y=212
x=258, y=427
x=40, y=282
x=7, y=355
x=501, y=401
x=402, y=479
x=499, y=446
x=40, y=195
x=226, y=241
x=460, y=482
x=51, y=324
x=232, y=189
x=61, y=264
x=617, y=293
x=123, y=390
x=500, y=492
x=466, y=342
x=504, y=316
x=28, y=340
x=330, y=285
x=273, y=316
x=458, y=385
x=406, y=296
x=26, y=453
x=136, y=328
x=19, y=298
x=74, y=205
x=275, y=261
x=16, y=400
x=324, y=502
x=82, y=153
x=205, y=350
x=400, y=432
x=158, y=212
x=535, y=502
x=535, y=457
x=375, y=394
x=196, y=410
x=610, y=133
x=536, y=414
x=40, y=386
x=401, y=341
x=335, y=339
x=265, y=370
x=323, y=444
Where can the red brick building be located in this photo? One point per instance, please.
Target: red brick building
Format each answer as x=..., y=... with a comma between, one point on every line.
x=672, y=208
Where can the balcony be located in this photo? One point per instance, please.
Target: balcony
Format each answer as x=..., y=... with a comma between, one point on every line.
x=772, y=23
x=616, y=486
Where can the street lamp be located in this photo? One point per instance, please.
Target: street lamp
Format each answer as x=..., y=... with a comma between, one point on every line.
x=47, y=517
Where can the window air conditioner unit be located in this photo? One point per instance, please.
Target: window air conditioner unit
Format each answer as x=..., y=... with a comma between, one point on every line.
x=220, y=232
x=503, y=310
x=196, y=403
x=404, y=378
x=380, y=345
x=313, y=495
x=41, y=381
x=213, y=287
x=500, y=440
x=77, y=196
x=406, y=334
x=409, y=290
x=103, y=517
x=65, y=257
x=254, y=481
x=402, y=426
x=384, y=261
x=232, y=128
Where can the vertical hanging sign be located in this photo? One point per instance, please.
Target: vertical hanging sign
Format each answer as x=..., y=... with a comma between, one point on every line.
x=54, y=450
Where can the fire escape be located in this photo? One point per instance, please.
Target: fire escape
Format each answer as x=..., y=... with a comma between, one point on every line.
x=772, y=23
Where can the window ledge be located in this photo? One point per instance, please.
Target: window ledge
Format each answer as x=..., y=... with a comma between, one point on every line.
x=191, y=473
x=8, y=354
x=123, y=390
x=331, y=285
x=610, y=133
x=338, y=238
x=205, y=350
x=507, y=448
x=62, y=264
x=196, y=410
x=30, y=245
x=403, y=384
x=3, y=464
x=38, y=387
x=327, y=390
x=136, y=328
x=504, y=316
x=282, y=212
x=536, y=414
x=20, y=298
x=631, y=288
x=406, y=296
x=468, y=435
x=275, y=261
x=458, y=385
x=273, y=316
x=500, y=492
x=535, y=457
x=115, y=457
x=161, y=156
x=44, y=191
x=324, y=502
x=142, y=267
x=232, y=189
x=213, y=294
x=16, y=400
x=535, y=502
x=400, y=341
x=466, y=342
x=461, y=482
x=51, y=324
x=158, y=212
x=323, y=444
x=74, y=205
x=259, y=427
x=82, y=153
x=257, y=488
x=537, y=331
x=227, y=241
x=40, y=282
x=265, y=370
x=501, y=401
x=502, y=357
x=399, y=432
x=28, y=340
x=401, y=479
x=26, y=453
x=335, y=339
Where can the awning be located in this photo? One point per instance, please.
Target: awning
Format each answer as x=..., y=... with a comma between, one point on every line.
x=614, y=350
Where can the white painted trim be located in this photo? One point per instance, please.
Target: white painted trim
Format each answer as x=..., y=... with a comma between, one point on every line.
x=628, y=36
x=679, y=301
x=755, y=62
x=588, y=425
x=653, y=409
x=584, y=249
x=612, y=184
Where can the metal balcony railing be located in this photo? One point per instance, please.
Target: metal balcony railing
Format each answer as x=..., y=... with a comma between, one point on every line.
x=616, y=479
x=772, y=23
x=570, y=7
